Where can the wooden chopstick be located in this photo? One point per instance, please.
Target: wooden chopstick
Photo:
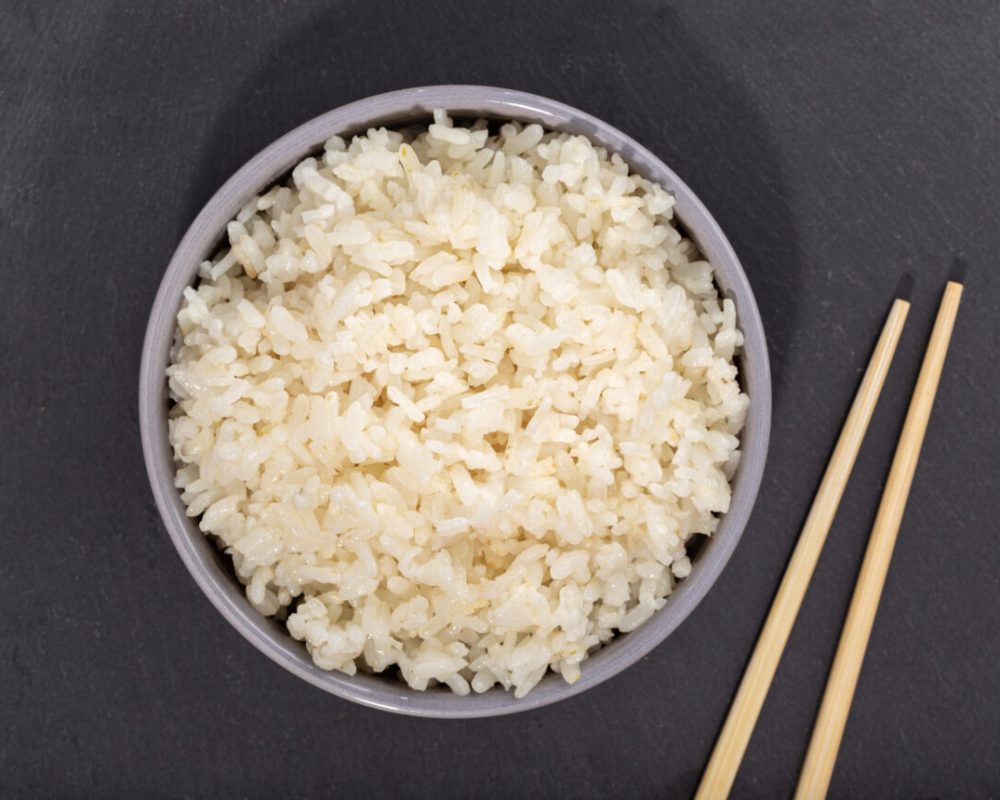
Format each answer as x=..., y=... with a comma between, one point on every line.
x=829, y=730
x=732, y=743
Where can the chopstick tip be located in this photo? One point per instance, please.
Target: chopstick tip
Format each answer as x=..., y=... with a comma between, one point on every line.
x=959, y=268
x=904, y=289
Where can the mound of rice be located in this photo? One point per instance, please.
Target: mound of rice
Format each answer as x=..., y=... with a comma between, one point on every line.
x=456, y=402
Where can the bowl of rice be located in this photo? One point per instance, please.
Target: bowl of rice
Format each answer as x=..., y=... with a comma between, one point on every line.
x=455, y=401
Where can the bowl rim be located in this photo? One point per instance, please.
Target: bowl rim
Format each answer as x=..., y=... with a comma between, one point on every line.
x=202, y=558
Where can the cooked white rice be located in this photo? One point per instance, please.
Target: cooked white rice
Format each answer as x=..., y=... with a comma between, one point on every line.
x=456, y=402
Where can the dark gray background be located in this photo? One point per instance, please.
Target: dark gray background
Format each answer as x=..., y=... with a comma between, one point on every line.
x=840, y=144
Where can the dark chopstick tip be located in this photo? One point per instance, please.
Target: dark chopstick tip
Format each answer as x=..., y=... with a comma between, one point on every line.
x=904, y=289
x=959, y=268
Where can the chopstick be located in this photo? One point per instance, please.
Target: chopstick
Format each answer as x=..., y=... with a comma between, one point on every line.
x=739, y=725
x=829, y=730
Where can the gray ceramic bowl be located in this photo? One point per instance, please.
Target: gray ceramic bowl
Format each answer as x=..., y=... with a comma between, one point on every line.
x=208, y=565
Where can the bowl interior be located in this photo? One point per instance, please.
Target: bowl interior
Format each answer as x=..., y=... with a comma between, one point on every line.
x=212, y=569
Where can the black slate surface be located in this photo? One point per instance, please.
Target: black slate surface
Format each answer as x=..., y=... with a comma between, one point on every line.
x=841, y=145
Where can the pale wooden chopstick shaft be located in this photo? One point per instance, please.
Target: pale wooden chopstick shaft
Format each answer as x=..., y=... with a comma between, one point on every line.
x=732, y=743
x=829, y=730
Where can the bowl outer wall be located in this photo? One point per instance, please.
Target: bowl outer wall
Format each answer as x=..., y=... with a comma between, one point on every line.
x=201, y=556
